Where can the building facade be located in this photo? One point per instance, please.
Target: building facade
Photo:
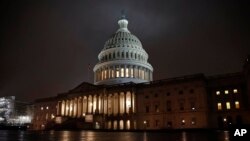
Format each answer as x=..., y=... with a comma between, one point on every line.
x=125, y=97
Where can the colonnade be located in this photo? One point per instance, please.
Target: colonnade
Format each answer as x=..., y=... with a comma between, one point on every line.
x=107, y=104
x=120, y=71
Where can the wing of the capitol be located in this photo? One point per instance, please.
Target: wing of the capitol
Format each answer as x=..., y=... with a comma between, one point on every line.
x=125, y=97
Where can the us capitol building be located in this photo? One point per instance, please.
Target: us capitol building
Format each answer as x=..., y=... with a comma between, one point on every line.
x=125, y=97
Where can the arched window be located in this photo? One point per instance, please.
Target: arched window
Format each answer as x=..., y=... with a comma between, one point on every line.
x=122, y=54
x=109, y=56
x=126, y=54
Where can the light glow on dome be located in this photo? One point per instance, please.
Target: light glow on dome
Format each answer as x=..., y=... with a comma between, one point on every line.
x=122, y=59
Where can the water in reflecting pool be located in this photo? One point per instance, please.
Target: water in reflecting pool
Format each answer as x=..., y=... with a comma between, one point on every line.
x=112, y=136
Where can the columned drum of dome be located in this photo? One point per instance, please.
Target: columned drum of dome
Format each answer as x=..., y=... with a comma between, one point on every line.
x=122, y=59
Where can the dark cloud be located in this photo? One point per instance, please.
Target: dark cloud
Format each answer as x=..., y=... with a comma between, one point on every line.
x=46, y=46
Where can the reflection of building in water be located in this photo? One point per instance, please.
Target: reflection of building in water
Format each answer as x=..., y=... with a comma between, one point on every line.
x=14, y=112
x=125, y=97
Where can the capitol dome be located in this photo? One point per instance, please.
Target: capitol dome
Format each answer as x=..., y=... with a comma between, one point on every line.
x=122, y=59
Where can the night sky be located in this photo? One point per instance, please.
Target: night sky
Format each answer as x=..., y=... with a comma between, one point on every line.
x=47, y=46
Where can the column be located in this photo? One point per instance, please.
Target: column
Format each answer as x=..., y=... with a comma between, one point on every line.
x=58, y=108
x=84, y=105
x=134, y=99
x=62, y=111
x=97, y=104
x=66, y=108
x=75, y=107
x=94, y=104
x=132, y=104
x=100, y=103
x=79, y=111
x=105, y=104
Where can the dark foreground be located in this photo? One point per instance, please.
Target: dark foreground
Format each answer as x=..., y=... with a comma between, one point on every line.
x=11, y=135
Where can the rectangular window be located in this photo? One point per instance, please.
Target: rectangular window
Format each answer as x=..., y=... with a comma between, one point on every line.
x=219, y=107
x=217, y=92
x=168, y=105
x=193, y=122
x=235, y=91
x=157, y=109
x=132, y=72
x=126, y=72
x=237, y=105
x=192, y=104
x=169, y=124
x=156, y=123
x=122, y=72
x=147, y=109
x=228, y=105
x=148, y=123
x=117, y=72
x=181, y=106
x=183, y=122
x=105, y=74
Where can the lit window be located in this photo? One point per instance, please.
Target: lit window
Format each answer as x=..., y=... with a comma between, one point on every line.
x=126, y=72
x=226, y=92
x=193, y=122
x=132, y=72
x=142, y=74
x=105, y=74
x=228, y=105
x=117, y=72
x=235, y=91
x=41, y=108
x=217, y=92
x=47, y=107
x=225, y=119
x=183, y=121
x=122, y=72
x=219, y=107
x=52, y=116
x=157, y=108
x=237, y=105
